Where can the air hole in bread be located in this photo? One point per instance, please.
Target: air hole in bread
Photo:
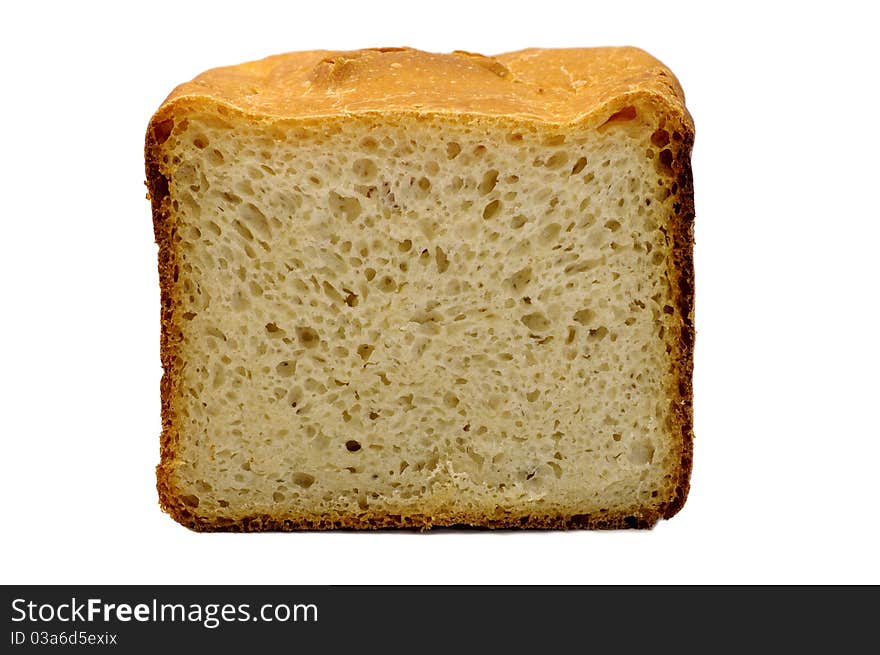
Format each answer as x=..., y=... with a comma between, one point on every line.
x=190, y=501
x=660, y=138
x=441, y=259
x=536, y=321
x=557, y=160
x=162, y=130
x=550, y=234
x=664, y=162
x=387, y=284
x=365, y=350
x=450, y=400
x=256, y=219
x=274, y=331
x=347, y=207
x=303, y=480
x=584, y=316
x=364, y=169
x=308, y=337
x=621, y=116
x=579, y=165
x=487, y=184
x=491, y=209
x=520, y=279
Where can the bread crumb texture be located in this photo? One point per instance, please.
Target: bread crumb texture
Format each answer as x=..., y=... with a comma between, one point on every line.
x=423, y=318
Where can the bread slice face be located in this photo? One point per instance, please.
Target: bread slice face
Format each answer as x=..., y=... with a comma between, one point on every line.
x=402, y=289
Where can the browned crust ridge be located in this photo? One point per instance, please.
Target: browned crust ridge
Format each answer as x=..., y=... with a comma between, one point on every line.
x=615, y=77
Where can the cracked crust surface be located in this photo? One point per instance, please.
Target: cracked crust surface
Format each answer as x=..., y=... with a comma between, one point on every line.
x=572, y=85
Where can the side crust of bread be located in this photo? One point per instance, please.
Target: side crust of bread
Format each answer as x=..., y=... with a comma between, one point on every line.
x=247, y=90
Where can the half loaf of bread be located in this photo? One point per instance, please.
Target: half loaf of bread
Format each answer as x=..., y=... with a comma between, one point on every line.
x=405, y=289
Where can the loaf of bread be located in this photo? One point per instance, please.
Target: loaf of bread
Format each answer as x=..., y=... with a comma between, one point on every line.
x=405, y=289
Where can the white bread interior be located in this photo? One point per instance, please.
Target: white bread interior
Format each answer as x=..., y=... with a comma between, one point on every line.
x=420, y=316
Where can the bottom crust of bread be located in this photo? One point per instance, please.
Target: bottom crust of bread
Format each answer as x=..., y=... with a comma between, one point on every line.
x=420, y=522
x=641, y=519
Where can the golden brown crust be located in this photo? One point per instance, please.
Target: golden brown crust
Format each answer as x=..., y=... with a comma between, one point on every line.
x=560, y=86
x=682, y=274
x=375, y=521
x=570, y=88
x=163, y=230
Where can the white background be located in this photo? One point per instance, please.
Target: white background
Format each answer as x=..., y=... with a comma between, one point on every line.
x=785, y=484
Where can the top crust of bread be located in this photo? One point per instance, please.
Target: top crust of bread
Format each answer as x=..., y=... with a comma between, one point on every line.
x=557, y=86
x=565, y=89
